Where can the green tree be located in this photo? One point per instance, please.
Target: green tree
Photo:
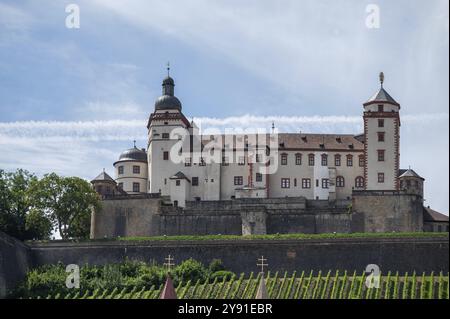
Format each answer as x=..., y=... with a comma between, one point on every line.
x=16, y=205
x=67, y=202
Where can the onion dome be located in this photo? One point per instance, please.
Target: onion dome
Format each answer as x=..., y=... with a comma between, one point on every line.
x=133, y=154
x=168, y=101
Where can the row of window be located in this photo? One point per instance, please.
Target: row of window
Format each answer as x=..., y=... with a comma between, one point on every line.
x=284, y=159
x=136, y=187
x=136, y=170
x=324, y=159
x=306, y=182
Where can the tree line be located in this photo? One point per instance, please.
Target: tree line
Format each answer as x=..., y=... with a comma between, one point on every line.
x=33, y=208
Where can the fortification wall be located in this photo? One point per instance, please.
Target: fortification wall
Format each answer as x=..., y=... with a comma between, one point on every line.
x=393, y=254
x=388, y=211
x=141, y=217
x=14, y=263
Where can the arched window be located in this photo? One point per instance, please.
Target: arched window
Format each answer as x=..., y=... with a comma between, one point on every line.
x=337, y=160
x=298, y=159
x=311, y=159
x=284, y=159
x=349, y=160
x=324, y=159
x=340, y=181
x=359, y=182
x=361, y=160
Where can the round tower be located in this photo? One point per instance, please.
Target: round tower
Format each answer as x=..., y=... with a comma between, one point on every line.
x=132, y=171
x=411, y=182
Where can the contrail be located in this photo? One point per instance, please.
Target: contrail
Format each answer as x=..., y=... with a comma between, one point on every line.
x=125, y=130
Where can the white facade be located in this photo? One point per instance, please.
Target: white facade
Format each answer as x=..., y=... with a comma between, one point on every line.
x=315, y=166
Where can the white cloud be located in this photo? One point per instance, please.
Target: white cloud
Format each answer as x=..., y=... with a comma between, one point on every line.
x=84, y=148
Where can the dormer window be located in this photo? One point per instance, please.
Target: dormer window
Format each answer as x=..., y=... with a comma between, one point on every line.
x=380, y=108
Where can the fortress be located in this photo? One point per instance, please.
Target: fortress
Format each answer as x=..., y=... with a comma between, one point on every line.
x=188, y=183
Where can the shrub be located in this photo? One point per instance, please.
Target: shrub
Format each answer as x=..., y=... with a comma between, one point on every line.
x=215, y=266
x=190, y=270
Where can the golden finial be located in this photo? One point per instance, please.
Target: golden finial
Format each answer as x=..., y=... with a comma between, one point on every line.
x=381, y=78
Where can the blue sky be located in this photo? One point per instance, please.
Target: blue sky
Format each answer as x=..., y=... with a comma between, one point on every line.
x=72, y=99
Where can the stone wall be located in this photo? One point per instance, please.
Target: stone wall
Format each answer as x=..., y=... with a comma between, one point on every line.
x=14, y=263
x=142, y=217
x=393, y=254
x=388, y=211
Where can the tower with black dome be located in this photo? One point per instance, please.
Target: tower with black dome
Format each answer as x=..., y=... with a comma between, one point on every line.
x=166, y=117
x=132, y=171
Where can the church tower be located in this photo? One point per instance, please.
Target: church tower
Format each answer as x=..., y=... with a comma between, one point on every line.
x=166, y=117
x=382, y=141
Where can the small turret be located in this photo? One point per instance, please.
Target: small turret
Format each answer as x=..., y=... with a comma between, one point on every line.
x=411, y=182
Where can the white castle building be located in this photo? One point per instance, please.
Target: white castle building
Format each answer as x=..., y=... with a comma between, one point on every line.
x=314, y=166
x=182, y=166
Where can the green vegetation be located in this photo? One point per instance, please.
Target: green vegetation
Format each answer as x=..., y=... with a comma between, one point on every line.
x=265, y=237
x=50, y=280
x=319, y=286
x=31, y=208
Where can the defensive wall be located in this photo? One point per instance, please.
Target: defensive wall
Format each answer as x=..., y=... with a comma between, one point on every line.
x=351, y=254
x=368, y=211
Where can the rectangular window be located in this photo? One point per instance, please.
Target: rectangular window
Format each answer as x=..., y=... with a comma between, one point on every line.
x=380, y=177
x=324, y=160
x=202, y=162
x=361, y=161
x=298, y=159
x=337, y=160
x=311, y=159
x=284, y=158
x=120, y=185
x=325, y=182
x=194, y=181
x=349, y=160
x=187, y=161
x=259, y=177
x=285, y=183
x=120, y=170
x=238, y=180
x=380, y=122
x=136, y=187
x=380, y=108
x=166, y=156
x=306, y=183
x=380, y=136
x=241, y=160
x=177, y=182
x=317, y=183
x=165, y=135
x=380, y=155
x=136, y=169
